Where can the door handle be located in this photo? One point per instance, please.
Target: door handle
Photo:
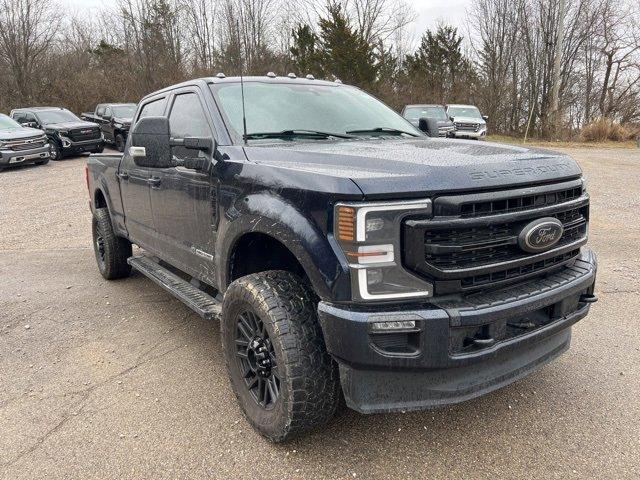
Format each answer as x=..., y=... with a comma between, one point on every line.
x=154, y=181
x=123, y=176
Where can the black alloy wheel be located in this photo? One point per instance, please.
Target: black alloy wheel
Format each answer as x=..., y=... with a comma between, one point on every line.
x=257, y=360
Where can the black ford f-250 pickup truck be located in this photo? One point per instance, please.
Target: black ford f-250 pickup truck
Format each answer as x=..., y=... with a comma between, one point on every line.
x=345, y=252
x=114, y=120
x=67, y=134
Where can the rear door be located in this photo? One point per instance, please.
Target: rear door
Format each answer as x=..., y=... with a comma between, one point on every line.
x=135, y=186
x=182, y=200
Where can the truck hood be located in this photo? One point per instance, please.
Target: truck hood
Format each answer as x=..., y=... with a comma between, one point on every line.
x=479, y=121
x=19, y=133
x=71, y=125
x=384, y=168
x=125, y=121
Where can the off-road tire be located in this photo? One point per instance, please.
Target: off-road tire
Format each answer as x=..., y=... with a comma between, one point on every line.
x=98, y=150
x=120, y=142
x=42, y=162
x=111, y=251
x=309, y=387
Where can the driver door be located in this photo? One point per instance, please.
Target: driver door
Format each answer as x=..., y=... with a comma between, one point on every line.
x=182, y=199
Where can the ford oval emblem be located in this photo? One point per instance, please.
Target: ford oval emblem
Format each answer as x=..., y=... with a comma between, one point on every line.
x=540, y=235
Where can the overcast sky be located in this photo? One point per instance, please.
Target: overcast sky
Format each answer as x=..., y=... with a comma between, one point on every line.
x=430, y=12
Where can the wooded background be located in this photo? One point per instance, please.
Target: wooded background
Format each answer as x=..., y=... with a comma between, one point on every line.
x=503, y=61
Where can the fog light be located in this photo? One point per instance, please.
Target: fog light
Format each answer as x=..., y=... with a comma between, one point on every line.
x=400, y=325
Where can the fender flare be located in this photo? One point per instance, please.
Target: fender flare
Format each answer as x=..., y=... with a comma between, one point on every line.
x=273, y=216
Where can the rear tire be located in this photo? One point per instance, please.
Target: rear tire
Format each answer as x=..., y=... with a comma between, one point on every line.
x=120, y=142
x=285, y=381
x=111, y=251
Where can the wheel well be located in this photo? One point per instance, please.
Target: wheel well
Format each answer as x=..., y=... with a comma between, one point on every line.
x=100, y=202
x=258, y=252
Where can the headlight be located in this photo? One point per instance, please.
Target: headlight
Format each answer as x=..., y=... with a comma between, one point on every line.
x=584, y=185
x=64, y=133
x=369, y=236
x=118, y=125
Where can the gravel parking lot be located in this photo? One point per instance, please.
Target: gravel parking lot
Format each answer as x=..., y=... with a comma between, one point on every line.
x=119, y=380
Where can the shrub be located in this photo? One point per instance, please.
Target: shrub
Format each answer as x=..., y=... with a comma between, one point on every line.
x=604, y=129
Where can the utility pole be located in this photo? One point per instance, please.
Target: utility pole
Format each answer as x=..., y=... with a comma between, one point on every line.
x=557, y=58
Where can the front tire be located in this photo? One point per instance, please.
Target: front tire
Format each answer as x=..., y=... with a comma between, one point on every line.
x=100, y=149
x=111, y=251
x=42, y=162
x=120, y=142
x=285, y=381
x=55, y=152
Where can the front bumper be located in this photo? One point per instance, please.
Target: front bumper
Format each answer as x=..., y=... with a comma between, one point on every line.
x=529, y=323
x=69, y=145
x=22, y=157
x=470, y=133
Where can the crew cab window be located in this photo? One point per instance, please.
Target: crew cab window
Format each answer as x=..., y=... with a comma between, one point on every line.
x=153, y=109
x=187, y=118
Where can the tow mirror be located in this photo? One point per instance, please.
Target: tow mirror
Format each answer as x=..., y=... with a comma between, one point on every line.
x=106, y=116
x=29, y=124
x=150, y=146
x=429, y=126
x=485, y=118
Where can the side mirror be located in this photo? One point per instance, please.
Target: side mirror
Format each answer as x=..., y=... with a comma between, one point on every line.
x=150, y=146
x=29, y=124
x=107, y=117
x=485, y=118
x=429, y=126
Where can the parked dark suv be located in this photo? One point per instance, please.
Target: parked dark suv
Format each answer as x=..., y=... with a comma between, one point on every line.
x=21, y=145
x=424, y=116
x=66, y=132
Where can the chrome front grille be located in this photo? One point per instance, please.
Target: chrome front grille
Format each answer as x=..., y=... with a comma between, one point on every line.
x=467, y=127
x=25, y=143
x=477, y=249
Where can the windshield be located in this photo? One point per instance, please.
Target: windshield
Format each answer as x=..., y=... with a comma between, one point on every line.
x=279, y=107
x=7, y=123
x=468, y=112
x=124, y=111
x=416, y=113
x=56, y=116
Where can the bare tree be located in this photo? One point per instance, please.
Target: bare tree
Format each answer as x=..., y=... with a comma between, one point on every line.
x=28, y=30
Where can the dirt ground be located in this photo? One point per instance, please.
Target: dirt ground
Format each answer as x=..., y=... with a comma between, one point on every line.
x=112, y=380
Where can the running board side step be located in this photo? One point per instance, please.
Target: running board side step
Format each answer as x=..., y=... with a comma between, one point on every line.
x=202, y=303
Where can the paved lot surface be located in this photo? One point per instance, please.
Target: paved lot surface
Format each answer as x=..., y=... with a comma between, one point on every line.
x=119, y=380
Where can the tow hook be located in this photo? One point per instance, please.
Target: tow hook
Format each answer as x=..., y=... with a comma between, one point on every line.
x=588, y=298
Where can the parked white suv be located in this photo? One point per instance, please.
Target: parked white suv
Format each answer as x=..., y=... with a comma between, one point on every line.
x=470, y=123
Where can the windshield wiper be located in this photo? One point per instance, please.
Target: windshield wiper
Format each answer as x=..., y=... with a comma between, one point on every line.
x=296, y=133
x=389, y=130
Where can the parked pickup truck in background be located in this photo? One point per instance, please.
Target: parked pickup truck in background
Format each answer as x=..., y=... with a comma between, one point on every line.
x=469, y=122
x=67, y=134
x=21, y=145
x=114, y=120
x=431, y=119
x=345, y=253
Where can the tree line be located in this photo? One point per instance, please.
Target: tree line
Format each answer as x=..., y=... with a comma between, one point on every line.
x=503, y=61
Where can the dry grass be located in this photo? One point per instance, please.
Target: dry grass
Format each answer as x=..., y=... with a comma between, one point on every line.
x=605, y=129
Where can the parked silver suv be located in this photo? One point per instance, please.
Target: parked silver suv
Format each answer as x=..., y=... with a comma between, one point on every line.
x=469, y=122
x=21, y=145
